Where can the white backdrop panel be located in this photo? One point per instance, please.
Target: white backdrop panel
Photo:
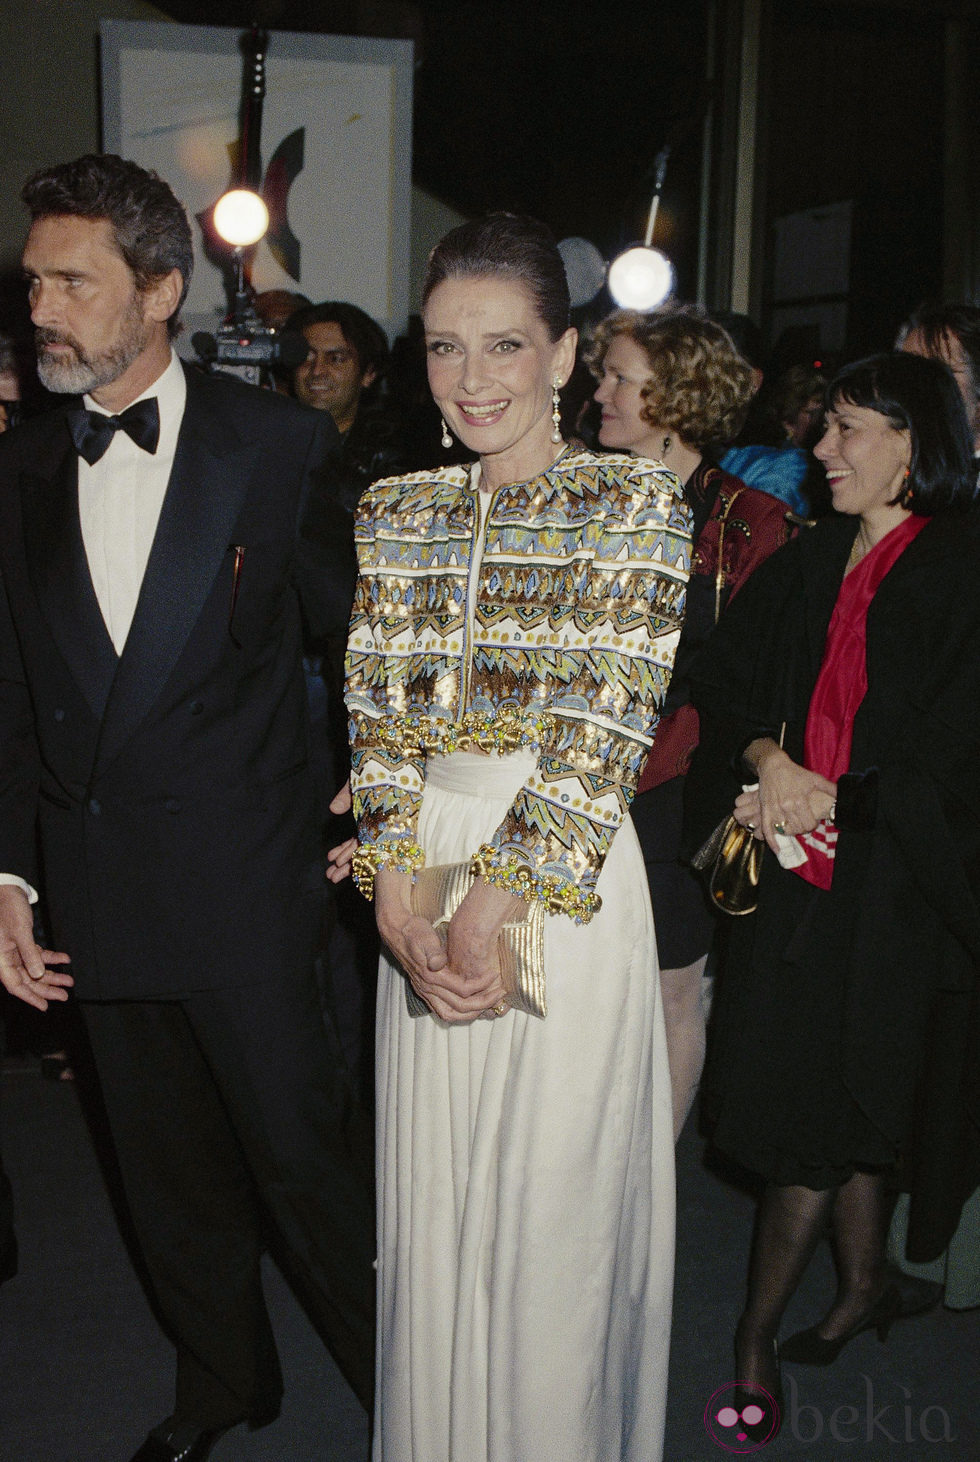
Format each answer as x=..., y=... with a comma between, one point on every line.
x=338, y=112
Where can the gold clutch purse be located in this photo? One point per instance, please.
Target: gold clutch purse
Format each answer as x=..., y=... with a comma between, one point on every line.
x=731, y=859
x=436, y=895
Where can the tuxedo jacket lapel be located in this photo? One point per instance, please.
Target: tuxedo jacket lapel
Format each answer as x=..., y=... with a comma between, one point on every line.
x=204, y=497
x=59, y=569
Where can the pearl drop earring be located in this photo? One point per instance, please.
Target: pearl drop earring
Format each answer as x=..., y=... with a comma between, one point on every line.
x=447, y=440
x=555, y=412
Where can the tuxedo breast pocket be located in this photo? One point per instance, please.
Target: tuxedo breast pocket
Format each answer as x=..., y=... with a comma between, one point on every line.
x=254, y=585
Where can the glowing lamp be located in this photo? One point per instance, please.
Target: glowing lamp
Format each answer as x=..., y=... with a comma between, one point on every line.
x=241, y=217
x=640, y=278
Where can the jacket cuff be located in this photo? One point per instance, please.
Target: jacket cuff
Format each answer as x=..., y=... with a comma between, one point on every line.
x=401, y=856
x=531, y=882
x=857, y=800
x=743, y=770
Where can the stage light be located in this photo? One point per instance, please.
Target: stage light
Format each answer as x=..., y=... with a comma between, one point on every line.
x=640, y=278
x=585, y=269
x=241, y=217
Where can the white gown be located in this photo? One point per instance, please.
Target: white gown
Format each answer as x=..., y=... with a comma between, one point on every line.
x=526, y=1185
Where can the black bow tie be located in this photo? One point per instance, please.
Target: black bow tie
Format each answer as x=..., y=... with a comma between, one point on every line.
x=92, y=431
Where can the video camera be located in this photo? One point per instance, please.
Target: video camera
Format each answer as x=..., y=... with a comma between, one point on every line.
x=243, y=346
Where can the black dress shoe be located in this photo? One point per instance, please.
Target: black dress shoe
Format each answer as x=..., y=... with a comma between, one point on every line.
x=760, y=1414
x=917, y=1295
x=765, y=1408
x=810, y=1348
x=178, y=1441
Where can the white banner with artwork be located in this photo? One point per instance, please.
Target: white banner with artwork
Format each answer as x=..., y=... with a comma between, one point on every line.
x=336, y=154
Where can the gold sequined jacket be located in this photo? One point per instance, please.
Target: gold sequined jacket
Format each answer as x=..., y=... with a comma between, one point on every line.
x=577, y=604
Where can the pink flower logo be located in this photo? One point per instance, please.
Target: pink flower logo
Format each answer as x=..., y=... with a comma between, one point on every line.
x=739, y=1425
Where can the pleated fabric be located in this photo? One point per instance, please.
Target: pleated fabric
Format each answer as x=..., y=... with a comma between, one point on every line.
x=526, y=1185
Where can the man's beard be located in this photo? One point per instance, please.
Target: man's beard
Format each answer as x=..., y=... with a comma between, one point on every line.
x=89, y=372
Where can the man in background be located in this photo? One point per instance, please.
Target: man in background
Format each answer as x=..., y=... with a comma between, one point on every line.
x=950, y=333
x=342, y=375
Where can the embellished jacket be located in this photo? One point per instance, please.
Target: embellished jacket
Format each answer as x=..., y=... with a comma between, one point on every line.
x=554, y=627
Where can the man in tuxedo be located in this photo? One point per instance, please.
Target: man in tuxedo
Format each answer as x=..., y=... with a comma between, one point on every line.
x=154, y=785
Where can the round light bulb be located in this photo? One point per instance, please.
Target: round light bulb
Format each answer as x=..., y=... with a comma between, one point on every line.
x=585, y=269
x=640, y=278
x=241, y=217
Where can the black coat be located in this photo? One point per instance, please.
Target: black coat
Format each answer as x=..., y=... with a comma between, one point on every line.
x=824, y=1015
x=162, y=799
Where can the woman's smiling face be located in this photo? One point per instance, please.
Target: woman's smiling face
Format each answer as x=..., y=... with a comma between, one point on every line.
x=866, y=460
x=492, y=365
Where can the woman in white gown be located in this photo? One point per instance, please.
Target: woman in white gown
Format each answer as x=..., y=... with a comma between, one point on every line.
x=512, y=639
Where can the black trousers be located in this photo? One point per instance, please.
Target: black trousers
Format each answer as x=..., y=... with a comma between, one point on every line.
x=8, y=1241
x=221, y=1104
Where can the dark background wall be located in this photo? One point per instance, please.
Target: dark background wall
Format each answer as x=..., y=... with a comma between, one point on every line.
x=856, y=110
x=559, y=107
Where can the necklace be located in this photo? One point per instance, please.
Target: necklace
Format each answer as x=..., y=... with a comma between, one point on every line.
x=858, y=551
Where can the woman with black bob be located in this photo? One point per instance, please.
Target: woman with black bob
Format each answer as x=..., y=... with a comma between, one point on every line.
x=513, y=633
x=844, y=681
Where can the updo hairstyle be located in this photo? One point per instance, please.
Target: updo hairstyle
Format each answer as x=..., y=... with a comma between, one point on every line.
x=514, y=246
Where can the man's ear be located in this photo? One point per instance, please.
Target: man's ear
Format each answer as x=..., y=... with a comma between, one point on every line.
x=161, y=298
x=368, y=378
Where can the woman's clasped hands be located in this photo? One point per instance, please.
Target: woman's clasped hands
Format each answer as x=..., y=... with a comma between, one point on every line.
x=458, y=979
x=788, y=800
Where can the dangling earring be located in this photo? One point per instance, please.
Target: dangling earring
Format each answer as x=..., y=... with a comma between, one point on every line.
x=447, y=440
x=665, y=448
x=555, y=412
x=906, y=496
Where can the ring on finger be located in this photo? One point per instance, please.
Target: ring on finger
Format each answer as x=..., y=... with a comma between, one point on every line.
x=779, y=827
x=750, y=826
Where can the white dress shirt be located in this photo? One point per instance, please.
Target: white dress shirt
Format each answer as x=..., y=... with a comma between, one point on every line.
x=119, y=503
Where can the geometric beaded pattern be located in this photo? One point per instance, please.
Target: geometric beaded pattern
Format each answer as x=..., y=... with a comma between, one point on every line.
x=569, y=651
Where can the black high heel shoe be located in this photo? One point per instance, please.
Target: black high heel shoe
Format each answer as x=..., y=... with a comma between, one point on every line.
x=771, y=1405
x=917, y=1295
x=810, y=1348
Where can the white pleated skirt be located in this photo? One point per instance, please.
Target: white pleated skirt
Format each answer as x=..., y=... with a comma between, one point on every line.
x=526, y=1185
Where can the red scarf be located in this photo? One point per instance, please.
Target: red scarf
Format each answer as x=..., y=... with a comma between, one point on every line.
x=841, y=687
